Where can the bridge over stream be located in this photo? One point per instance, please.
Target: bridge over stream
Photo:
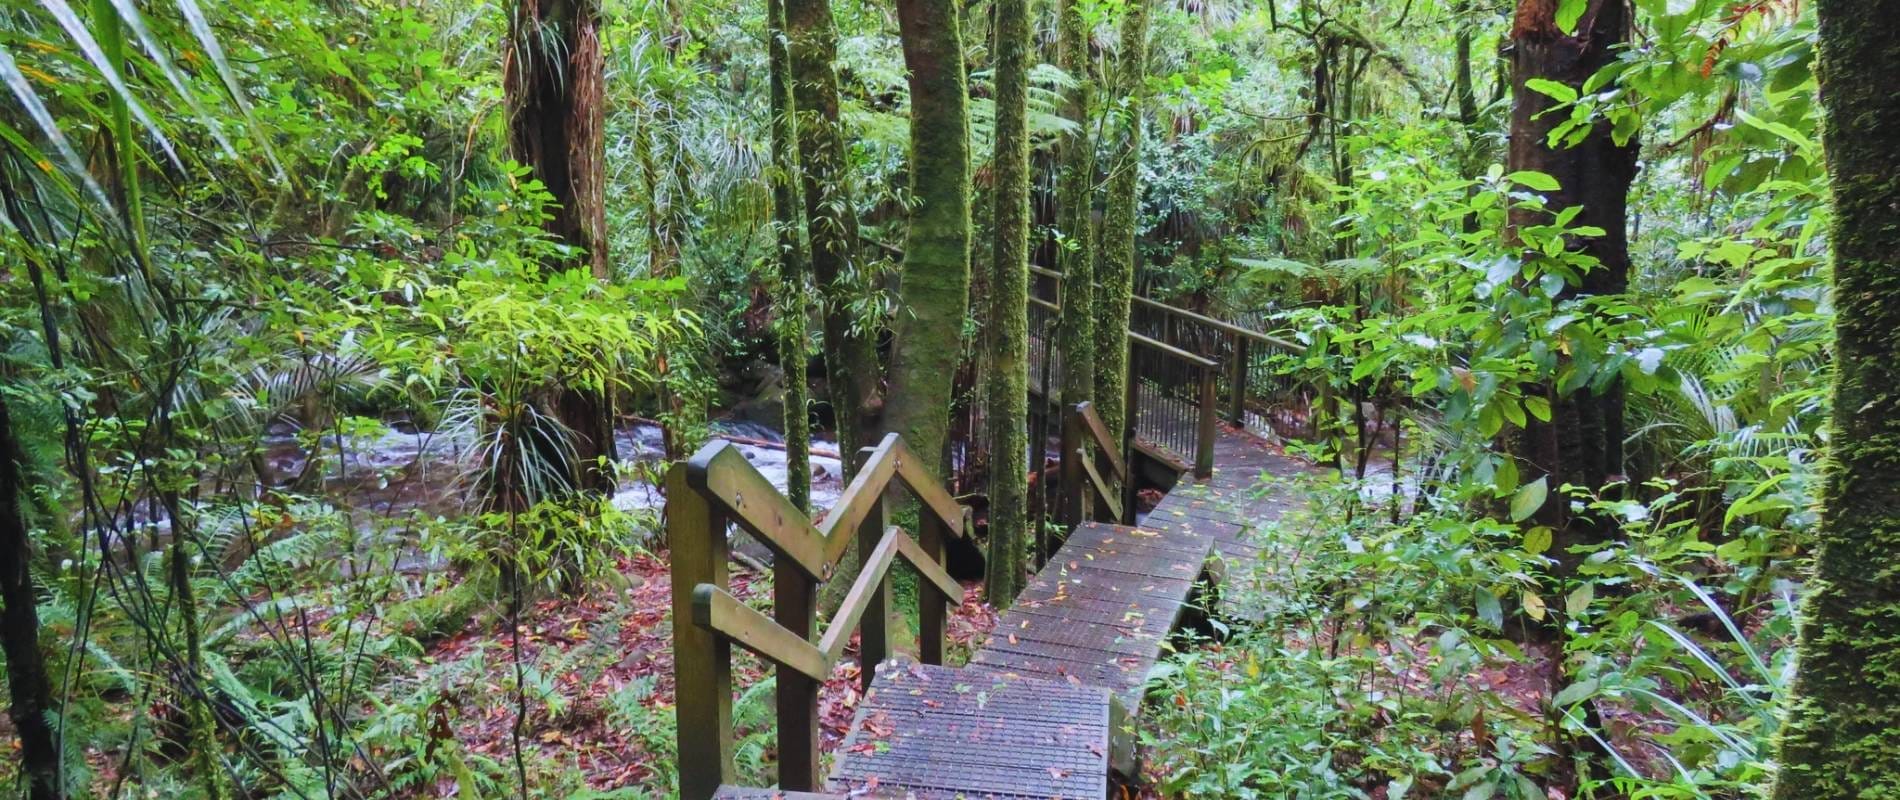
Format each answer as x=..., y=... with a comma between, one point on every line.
x=1047, y=708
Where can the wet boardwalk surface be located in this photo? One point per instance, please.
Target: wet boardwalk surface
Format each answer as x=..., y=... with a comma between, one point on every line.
x=1032, y=715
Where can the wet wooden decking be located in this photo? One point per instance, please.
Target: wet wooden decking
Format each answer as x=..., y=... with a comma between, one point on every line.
x=1032, y=715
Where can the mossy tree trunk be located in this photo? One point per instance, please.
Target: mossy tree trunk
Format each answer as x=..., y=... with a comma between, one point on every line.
x=788, y=221
x=1582, y=443
x=552, y=78
x=28, y=691
x=851, y=364
x=1076, y=258
x=1007, y=405
x=935, y=289
x=1842, y=735
x=1115, y=275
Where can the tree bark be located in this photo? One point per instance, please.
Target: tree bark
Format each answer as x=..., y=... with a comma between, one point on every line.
x=1582, y=444
x=1007, y=417
x=1116, y=272
x=935, y=289
x=1842, y=735
x=29, y=692
x=556, y=125
x=788, y=220
x=1076, y=258
x=851, y=363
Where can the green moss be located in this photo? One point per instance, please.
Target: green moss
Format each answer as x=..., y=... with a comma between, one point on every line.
x=1842, y=735
x=1077, y=258
x=935, y=289
x=792, y=267
x=831, y=219
x=1007, y=420
x=1116, y=274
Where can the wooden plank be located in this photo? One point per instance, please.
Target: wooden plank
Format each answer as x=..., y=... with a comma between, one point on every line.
x=744, y=793
x=930, y=732
x=932, y=601
x=928, y=490
x=1102, y=491
x=860, y=499
x=861, y=596
x=714, y=609
x=795, y=610
x=724, y=474
x=928, y=567
x=1109, y=444
x=702, y=660
x=1221, y=325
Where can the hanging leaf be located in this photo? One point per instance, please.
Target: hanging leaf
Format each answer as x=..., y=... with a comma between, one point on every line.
x=1529, y=498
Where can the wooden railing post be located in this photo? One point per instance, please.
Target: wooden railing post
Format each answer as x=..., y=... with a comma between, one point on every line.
x=1072, y=493
x=1204, y=446
x=702, y=660
x=874, y=642
x=931, y=602
x=795, y=608
x=1237, y=380
x=1131, y=411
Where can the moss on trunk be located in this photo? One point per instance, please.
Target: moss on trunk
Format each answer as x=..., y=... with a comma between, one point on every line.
x=1842, y=736
x=851, y=364
x=789, y=306
x=1115, y=276
x=1007, y=417
x=1076, y=259
x=935, y=289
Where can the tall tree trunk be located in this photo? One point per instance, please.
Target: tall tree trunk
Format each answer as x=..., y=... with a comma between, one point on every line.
x=851, y=364
x=1842, y=736
x=935, y=291
x=1076, y=258
x=29, y=693
x=556, y=124
x=1582, y=444
x=1007, y=417
x=1116, y=272
x=788, y=220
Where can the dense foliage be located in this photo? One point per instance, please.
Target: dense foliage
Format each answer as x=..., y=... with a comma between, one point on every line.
x=284, y=330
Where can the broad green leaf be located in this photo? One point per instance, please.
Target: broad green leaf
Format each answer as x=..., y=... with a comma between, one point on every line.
x=1555, y=90
x=1535, y=180
x=1534, y=605
x=1568, y=13
x=1529, y=498
x=1490, y=611
x=1537, y=540
x=1575, y=693
x=1578, y=601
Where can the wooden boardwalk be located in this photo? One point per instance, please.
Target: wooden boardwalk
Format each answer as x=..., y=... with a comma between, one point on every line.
x=1039, y=711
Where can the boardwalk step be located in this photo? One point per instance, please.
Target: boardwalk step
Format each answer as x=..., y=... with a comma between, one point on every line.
x=743, y=793
x=1100, y=611
x=936, y=732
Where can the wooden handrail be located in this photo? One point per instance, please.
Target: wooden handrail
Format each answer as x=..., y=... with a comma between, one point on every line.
x=725, y=475
x=1220, y=325
x=1082, y=434
x=1172, y=351
x=717, y=487
x=1107, y=442
x=718, y=611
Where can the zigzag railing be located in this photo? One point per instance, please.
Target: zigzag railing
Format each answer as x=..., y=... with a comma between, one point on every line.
x=718, y=487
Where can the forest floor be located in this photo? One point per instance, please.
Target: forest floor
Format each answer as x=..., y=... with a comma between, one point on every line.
x=581, y=718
